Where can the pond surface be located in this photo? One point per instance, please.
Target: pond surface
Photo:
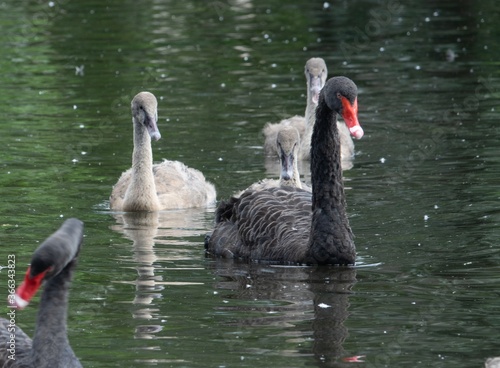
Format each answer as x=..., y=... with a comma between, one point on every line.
x=423, y=194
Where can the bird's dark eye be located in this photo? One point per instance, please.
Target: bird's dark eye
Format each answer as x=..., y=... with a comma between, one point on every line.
x=339, y=95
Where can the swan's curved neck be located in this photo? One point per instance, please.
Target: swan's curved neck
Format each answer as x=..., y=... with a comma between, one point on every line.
x=310, y=117
x=331, y=239
x=50, y=340
x=141, y=194
x=310, y=108
x=142, y=157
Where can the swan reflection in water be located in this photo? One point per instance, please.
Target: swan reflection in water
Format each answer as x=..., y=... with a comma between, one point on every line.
x=306, y=303
x=147, y=230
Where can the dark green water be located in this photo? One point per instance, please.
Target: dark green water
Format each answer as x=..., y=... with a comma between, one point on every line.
x=424, y=192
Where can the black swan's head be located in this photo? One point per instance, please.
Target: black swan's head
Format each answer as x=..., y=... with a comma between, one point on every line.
x=341, y=95
x=56, y=253
x=145, y=111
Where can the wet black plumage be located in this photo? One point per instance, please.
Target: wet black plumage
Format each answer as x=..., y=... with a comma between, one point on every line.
x=290, y=225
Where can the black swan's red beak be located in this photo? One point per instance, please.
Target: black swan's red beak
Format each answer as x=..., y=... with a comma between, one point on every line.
x=350, y=115
x=27, y=289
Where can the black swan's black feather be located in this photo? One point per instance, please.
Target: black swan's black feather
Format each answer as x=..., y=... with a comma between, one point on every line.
x=290, y=225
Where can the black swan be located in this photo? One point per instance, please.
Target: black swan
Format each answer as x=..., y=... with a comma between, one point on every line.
x=167, y=185
x=53, y=262
x=316, y=75
x=290, y=225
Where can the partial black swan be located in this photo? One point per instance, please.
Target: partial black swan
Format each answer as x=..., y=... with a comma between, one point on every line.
x=287, y=147
x=53, y=263
x=290, y=225
x=316, y=74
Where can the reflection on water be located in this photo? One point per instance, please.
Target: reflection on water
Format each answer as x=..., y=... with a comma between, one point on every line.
x=142, y=228
x=148, y=230
x=309, y=305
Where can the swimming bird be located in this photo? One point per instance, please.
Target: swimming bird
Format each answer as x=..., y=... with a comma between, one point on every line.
x=53, y=263
x=316, y=74
x=287, y=146
x=291, y=225
x=167, y=185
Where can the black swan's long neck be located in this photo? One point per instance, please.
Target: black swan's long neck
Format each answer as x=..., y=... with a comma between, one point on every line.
x=50, y=341
x=331, y=240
